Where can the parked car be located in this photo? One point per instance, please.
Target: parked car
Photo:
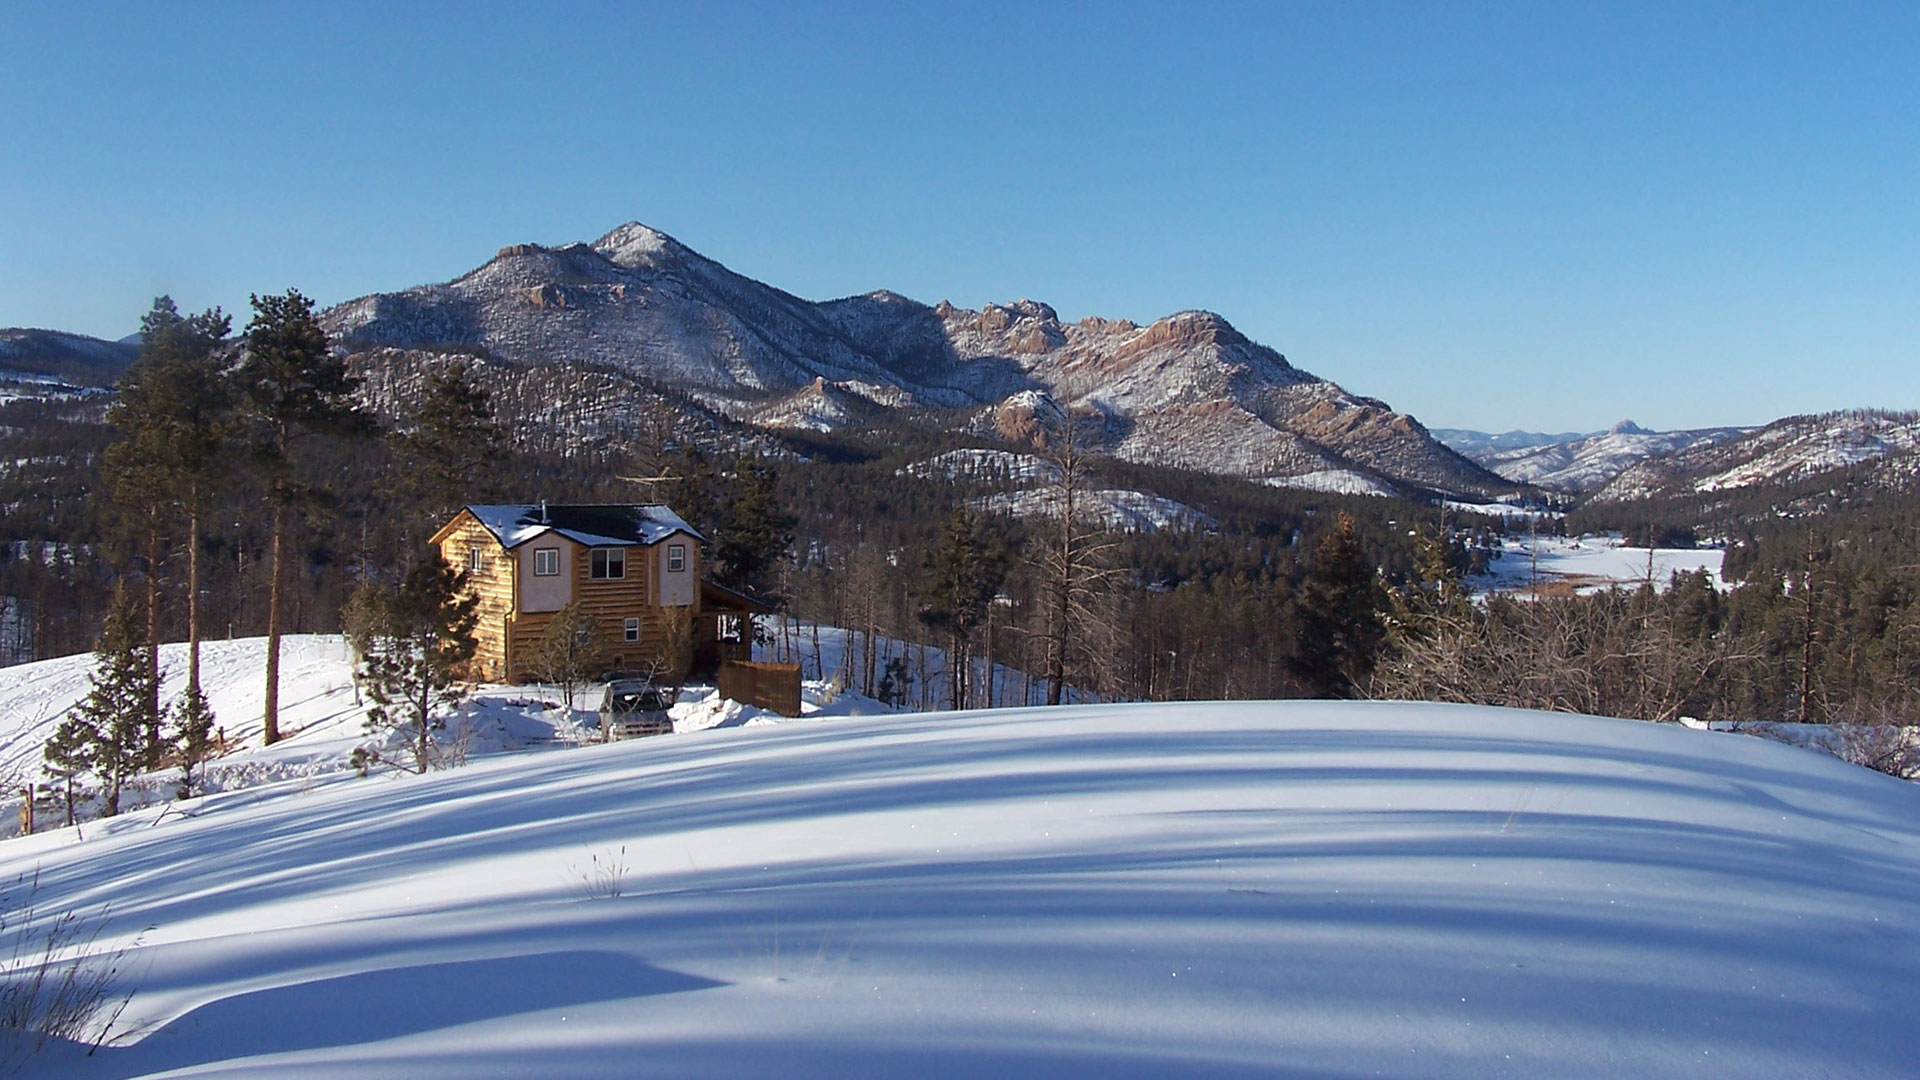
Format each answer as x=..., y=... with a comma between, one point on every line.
x=634, y=707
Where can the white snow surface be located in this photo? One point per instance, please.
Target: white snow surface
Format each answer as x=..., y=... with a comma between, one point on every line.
x=1334, y=481
x=1593, y=563
x=321, y=722
x=1222, y=889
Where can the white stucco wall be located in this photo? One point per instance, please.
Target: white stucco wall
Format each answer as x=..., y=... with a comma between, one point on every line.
x=546, y=593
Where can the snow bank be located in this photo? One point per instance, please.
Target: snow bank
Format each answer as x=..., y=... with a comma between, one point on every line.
x=1245, y=889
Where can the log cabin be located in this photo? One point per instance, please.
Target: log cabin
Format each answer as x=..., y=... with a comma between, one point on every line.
x=635, y=570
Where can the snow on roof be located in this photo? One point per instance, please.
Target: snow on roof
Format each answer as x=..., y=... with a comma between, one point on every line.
x=592, y=525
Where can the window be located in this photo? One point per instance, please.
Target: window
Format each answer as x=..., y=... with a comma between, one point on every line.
x=676, y=558
x=633, y=629
x=546, y=562
x=476, y=559
x=608, y=563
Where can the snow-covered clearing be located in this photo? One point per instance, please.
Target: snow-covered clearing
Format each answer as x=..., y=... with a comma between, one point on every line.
x=320, y=720
x=1337, y=481
x=1244, y=889
x=1588, y=564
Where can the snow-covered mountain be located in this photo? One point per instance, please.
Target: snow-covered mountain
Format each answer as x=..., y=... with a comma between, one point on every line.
x=1187, y=390
x=1582, y=463
x=1795, y=448
x=29, y=356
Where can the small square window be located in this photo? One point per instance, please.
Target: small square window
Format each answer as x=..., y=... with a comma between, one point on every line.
x=608, y=563
x=633, y=629
x=546, y=562
x=676, y=558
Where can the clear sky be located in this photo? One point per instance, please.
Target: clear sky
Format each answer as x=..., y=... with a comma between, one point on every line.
x=1540, y=215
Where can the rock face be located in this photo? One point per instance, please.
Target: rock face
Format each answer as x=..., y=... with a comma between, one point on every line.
x=1188, y=390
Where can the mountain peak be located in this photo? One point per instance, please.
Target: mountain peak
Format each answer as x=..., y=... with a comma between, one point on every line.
x=1627, y=427
x=634, y=244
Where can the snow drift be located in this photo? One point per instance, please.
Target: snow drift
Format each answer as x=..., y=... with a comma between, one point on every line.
x=1301, y=889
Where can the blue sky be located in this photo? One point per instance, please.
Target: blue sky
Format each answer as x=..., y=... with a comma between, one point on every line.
x=1549, y=216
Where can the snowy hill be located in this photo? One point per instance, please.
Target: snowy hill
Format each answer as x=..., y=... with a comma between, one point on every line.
x=1236, y=890
x=1187, y=390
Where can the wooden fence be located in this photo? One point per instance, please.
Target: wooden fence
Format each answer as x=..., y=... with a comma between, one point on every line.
x=768, y=686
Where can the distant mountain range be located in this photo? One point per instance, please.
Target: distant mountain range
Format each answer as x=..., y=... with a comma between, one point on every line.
x=1187, y=391
x=574, y=338
x=1576, y=463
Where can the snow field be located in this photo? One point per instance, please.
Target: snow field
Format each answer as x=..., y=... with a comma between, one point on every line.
x=1221, y=889
x=1588, y=564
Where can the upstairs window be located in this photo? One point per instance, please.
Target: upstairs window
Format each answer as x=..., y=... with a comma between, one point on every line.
x=676, y=558
x=546, y=562
x=608, y=563
x=476, y=560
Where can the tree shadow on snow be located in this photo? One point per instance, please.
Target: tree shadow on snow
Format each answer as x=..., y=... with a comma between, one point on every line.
x=373, y=1006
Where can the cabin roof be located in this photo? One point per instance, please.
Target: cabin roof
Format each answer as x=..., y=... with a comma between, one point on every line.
x=592, y=525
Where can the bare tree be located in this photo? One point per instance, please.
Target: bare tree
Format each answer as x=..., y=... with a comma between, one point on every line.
x=568, y=651
x=1075, y=561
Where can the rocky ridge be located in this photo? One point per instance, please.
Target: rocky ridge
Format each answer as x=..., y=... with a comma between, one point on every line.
x=1188, y=390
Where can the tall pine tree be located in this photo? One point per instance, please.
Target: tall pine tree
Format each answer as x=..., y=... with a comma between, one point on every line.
x=174, y=420
x=453, y=445
x=756, y=533
x=1340, y=629
x=294, y=389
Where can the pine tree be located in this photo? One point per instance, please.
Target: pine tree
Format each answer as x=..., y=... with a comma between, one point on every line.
x=115, y=715
x=756, y=533
x=964, y=575
x=294, y=389
x=69, y=756
x=192, y=736
x=454, y=443
x=424, y=638
x=1340, y=631
x=174, y=419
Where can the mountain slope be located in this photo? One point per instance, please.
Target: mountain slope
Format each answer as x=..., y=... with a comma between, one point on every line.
x=1225, y=889
x=74, y=358
x=1188, y=390
x=1796, y=448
